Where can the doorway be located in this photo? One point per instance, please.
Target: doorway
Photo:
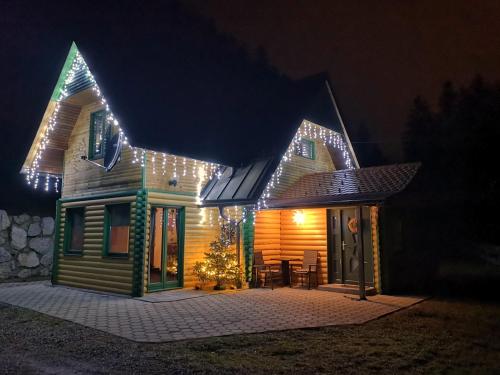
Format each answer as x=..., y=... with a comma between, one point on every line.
x=166, y=248
x=344, y=245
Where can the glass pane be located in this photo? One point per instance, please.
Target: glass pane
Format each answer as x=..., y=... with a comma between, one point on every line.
x=155, y=247
x=76, y=216
x=119, y=214
x=172, y=244
x=119, y=221
x=119, y=240
x=98, y=130
x=304, y=148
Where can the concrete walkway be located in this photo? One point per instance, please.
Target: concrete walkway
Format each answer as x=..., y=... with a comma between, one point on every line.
x=247, y=311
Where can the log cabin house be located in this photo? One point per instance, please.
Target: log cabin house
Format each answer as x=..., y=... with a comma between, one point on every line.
x=134, y=220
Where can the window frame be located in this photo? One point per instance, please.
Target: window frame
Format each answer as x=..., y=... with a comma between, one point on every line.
x=92, y=155
x=107, y=232
x=313, y=149
x=68, y=232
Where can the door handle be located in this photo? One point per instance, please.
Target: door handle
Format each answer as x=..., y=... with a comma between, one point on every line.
x=343, y=245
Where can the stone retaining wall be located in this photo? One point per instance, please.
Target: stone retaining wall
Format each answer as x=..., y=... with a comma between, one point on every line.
x=26, y=246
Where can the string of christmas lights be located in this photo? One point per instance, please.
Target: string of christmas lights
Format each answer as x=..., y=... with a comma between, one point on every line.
x=309, y=131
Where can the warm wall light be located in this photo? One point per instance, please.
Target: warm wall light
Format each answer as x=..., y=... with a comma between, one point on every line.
x=299, y=217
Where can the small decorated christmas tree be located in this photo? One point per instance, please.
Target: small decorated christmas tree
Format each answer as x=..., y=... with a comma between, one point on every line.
x=220, y=264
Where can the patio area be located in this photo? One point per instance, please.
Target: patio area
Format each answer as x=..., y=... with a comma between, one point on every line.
x=195, y=315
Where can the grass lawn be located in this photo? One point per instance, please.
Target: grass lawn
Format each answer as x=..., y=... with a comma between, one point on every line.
x=435, y=336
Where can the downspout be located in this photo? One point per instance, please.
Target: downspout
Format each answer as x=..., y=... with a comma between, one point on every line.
x=238, y=232
x=348, y=141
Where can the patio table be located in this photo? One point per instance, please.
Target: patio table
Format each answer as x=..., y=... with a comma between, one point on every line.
x=285, y=267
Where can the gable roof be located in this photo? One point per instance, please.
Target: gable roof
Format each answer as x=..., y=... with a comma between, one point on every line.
x=146, y=116
x=370, y=184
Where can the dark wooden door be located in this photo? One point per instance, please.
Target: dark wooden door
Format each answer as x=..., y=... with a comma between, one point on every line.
x=345, y=244
x=349, y=247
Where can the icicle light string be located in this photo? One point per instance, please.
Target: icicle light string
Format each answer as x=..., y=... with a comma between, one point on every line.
x=312, y=132
x=210, y=170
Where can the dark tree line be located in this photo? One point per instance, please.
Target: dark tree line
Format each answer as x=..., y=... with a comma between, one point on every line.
x=457, y=144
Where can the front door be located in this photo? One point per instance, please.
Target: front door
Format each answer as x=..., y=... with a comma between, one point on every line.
x=166, y=248
x=345, y=245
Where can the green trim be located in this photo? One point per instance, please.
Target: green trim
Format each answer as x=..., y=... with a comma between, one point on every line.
x=163, y=284
x=313, y=149
x=141, y=209
x=107, y=227
x=68, y=231
x=57, y=249
x=172, y=192
x=248, y=244
x=64, y=72
x=124, y=193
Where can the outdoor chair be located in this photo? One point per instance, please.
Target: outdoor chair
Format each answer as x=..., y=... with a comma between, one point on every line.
x=308, y=267
x=268, y=271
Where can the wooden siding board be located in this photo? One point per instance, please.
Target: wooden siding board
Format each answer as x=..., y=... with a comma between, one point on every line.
x=276, y=234
x=83, y=178
x=298, y=166
x=91, y=270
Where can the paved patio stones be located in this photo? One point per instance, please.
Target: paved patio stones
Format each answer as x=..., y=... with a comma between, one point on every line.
x=195, y=315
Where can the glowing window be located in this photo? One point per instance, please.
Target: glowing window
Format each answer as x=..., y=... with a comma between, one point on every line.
x=74, y=228
x=98, y=129
x=118, y=224
x=305, y=148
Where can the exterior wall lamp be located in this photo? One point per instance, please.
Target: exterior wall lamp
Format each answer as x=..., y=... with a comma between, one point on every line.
x=299, y=217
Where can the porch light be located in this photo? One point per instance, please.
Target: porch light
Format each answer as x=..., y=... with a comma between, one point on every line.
x=299, y=217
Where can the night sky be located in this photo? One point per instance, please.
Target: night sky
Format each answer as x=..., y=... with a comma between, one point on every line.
x=379, y=56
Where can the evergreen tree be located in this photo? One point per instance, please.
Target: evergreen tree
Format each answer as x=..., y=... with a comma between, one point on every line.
x=418, y=132
x=367, y=149
x=220, y=264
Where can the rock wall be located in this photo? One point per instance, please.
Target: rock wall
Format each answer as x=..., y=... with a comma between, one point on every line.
x=26, y=246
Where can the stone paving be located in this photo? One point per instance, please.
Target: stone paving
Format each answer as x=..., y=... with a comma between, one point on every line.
x=246, y=311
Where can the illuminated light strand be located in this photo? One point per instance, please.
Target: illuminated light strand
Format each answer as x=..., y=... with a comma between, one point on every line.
x=153, y=162
x=143, y=158
x=164, y=164
x=312, y=132
x=78, y=65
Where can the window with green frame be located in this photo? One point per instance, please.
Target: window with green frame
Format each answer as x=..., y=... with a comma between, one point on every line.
x=306, y=149
x=74, y=230
x=117, y=226
x=97, y=138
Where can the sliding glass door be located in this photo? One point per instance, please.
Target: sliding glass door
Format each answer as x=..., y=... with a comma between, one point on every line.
x=166, y=248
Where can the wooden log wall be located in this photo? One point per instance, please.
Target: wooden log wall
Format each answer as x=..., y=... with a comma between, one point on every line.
x=191, y=175
x=91, y=270
x=312, y=235
x=84, y=179
x=267, y=237
x=276, y=234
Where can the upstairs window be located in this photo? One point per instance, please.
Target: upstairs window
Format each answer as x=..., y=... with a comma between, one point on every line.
x=98, y=129
x=305, y=148
x=74, y=229
x=117, y=229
